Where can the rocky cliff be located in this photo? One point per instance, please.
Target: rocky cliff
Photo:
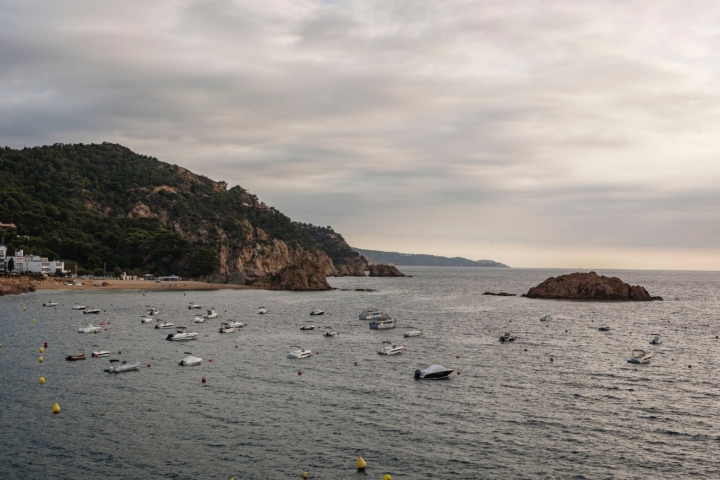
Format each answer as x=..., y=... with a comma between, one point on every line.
x=14, y=286
x=589, y=286
x=384, y=271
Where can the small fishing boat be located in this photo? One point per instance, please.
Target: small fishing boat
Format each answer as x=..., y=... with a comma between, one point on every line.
x=506, y=337
x=201, y=319
x=371, y=314
x=190, y=360
x=413, y=333
x=89, y=329
x=640, y=356
x=317, y=311
x=385, y=322
x=307, y=327
x=91, y=311
x=100, y=353
x=262, y=310
x=234, y=324
x=391, y=349
x=603, y=329
x=432, y=372
x=123, y=367
x=299, y=353
x=72, y=358
x=146, y=320
x=194, y=305
x=50, y=304
x=226, y=328
x=181, y=334
x=331, y=333
x=152, y=311
x=656, y=340
x=210, y=314
x=162, y=324
x=546, y=318
x=79, y=307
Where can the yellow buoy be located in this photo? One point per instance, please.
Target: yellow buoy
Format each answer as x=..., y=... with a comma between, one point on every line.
x=361, y=464
x=305, y=475
x=24, y=308
x=387, y=477
x=34, y=320
x=56, y=408
x=40, y=359
x=42, y=350
x=42, y=380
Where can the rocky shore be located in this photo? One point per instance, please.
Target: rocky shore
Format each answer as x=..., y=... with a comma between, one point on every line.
x=384, y=271
x=14, y=286
x=589, y=286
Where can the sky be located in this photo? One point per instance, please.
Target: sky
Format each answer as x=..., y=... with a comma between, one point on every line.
x=533, y=133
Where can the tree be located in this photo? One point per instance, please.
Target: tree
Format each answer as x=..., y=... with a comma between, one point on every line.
x=11, y=265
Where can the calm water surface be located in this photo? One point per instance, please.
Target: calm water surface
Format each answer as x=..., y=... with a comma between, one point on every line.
x=511, y=413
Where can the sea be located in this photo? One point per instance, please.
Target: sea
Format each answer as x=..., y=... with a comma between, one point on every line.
x=560, y=402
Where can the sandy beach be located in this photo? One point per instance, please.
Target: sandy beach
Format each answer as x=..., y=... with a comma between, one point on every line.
x=135, y=285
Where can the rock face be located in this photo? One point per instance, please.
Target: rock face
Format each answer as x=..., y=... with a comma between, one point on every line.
x=307, y=274
x=384, y=271
x=589, y=286
x=14, y=286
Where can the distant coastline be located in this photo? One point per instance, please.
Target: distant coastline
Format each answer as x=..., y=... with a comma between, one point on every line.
x=421, y=260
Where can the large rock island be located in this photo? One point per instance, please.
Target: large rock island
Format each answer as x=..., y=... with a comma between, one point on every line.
x=589, y=286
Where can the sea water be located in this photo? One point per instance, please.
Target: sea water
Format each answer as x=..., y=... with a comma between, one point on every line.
x=507, y=411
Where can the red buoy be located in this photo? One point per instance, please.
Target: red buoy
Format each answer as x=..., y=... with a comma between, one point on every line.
x=457, y=356
x=148, y=365
x=119, y=352
x=689, y=366
x=235, y=346
x=47, y=345
x=525, y=350
x=565, y=331
x=204, y=380
x=299, y=372
x=317, y=353
x=552, y=359
x=210, y=360
x=356, y=364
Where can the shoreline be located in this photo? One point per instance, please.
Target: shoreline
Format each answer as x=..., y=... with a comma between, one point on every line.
x=138, y=285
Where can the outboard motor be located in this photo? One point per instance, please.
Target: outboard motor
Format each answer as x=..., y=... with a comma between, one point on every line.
x=170, y=336
x=417, y=374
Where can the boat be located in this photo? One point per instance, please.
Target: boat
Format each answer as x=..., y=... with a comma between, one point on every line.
x=331, y=333
x=200, y=319
x=181, y=334
x=432, y=372
x=100, y=353
x=72, y=358
x=194, y=305
x=307, y=327
x=146, y=320
x=226, y=328
x=299, y=353
x=190, y=360
x=391, y=349
x=413, y=333
x=89, y=329
x=50, y=304
x=210, y=314
x=371, y=314
x=383, y=323
x=162, y=324
x=262, y=310
x=656, y=340
x=317, y=311
x=506, y=337
x=91, y=310
x=152, y=311
x=604, y=329
x=79, y=307
x=234, y=324
x=546, y=318
x=640, y=356
x=123, y=367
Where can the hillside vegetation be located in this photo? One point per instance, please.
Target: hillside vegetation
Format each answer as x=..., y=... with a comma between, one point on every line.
x=421, y=260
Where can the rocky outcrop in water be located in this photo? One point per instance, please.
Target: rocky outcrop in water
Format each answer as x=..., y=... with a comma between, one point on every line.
x=14, y=286
x=384, y=271
x=589, y=286
x=305, y=275
x=500, y=294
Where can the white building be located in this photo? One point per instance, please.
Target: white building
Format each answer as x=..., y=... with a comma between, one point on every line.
x=30, y=263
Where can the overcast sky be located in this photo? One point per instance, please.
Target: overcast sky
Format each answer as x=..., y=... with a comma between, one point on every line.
x=534, y=133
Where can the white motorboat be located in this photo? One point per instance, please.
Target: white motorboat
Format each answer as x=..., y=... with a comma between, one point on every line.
x=234, y=324
x=181, y=335
x=507, y=337
x=640, y=356
x=371, y=314
x=200, y=319
x=91, y=310
x=100, y=353
x=656, y=340
x=317, y=311
x=226, y=328
x=262, y=310
x=163, y=324
x=299, y=353
x=433, y=372
x=307, y=327
x=211, y=314
x=50, y=304
x=330, y=333
x=190, y=360
x=123, y=367
x=383, y=323
x=413, y=333
x=146, y=320
x=194, y=305
x=546, y=318
x=89, y=329
x=152, y=311
x=79, y=307
x=391, y=349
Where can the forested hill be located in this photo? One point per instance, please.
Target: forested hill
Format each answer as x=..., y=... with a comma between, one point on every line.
x=420, y=260
x=106, y=205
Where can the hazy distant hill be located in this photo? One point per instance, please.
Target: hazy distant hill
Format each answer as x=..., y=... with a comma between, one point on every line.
x=419, y=260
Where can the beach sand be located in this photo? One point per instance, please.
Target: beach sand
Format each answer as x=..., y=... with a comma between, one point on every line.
x=54, y=284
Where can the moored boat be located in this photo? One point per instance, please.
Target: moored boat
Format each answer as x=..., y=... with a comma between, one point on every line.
x=211, y=314
x=200, y=319
x=317, y=311
x=507, y=337
x=391, y=349
x=383, y=323
x=146, y=320
x=299, y=352
x=640, y=356
x=123, y=367
x=371, y=314
x=89, y=329
x=655, y=340
x=235, y=324
x=262, y=310
x=100, y=353
x=91, y=311
x=194, y=305
x=181, y=334
x=190, y=360
x=307, y=327
x=72, y=358
x=413, y=333
x=50, y=304
x=546, y=318
x=433, y=372
x=79, y=307
x=226, y=328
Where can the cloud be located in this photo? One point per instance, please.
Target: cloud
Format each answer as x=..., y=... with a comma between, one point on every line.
x=471, y=124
